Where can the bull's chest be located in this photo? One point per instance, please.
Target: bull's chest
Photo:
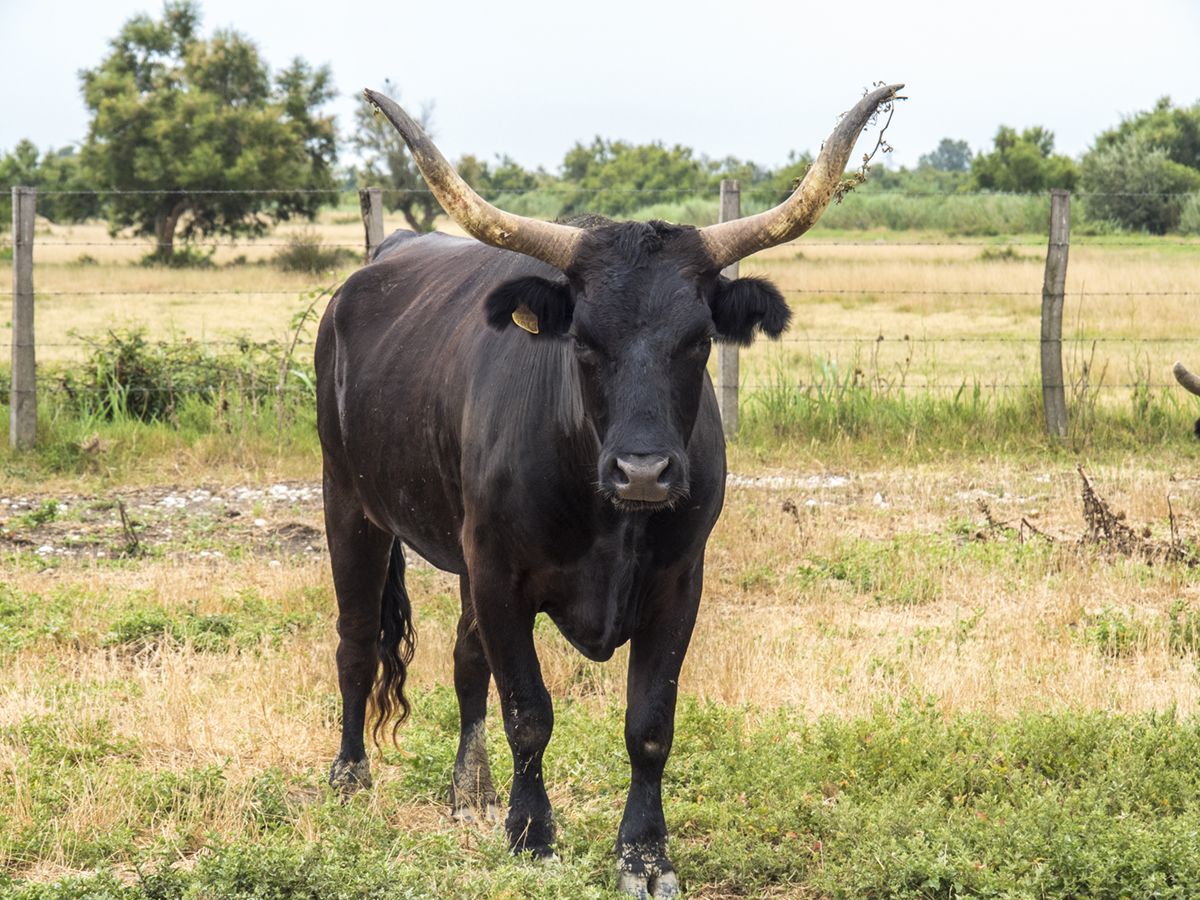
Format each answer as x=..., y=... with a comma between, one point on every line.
x=597, y=601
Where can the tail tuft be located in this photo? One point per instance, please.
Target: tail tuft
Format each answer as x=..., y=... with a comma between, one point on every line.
x=397, y=641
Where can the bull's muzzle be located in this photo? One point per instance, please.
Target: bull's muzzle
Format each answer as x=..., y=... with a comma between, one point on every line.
x=639, y=477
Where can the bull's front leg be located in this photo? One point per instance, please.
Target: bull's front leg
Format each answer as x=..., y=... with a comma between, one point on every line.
x=656, y=655
x=506, y=630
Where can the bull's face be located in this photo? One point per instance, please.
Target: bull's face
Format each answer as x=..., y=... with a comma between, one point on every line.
x=641, y=308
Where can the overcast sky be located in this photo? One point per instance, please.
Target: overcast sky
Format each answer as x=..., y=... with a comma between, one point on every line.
x=752, y=78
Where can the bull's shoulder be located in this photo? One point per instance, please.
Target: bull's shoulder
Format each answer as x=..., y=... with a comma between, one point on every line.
x=391, y=243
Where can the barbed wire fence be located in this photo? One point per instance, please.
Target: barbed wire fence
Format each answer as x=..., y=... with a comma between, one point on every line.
x=729, y=382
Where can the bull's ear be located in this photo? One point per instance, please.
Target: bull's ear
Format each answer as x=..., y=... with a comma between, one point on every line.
x=545, y=307
x=747, y=304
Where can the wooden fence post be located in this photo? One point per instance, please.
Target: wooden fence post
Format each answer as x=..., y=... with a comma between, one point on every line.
x=727, y=354
x=1054, y=396
x=22, y=422
x=370, y=203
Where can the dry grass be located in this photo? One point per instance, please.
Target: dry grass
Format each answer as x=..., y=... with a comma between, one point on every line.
x=768, y=634
x=848, y=303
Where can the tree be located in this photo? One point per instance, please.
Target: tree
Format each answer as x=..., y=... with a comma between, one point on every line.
x=1023, y=163
x=615, y=178
x=950, y=156
x=780, y=184
x=1175, y=129
x=194, y=127
x=387, y=163
x=54, y=172
x=498, y=182
x=1136, y=184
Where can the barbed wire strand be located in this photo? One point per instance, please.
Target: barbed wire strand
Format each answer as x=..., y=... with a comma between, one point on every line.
x=892, y=341
x=267, y=386
x=831, y=292
x=691, y=192
x=134, y=243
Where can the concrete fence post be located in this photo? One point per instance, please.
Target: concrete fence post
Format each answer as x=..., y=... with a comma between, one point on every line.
x=727, y=354
x=1054, y=396
x=370, y=203
x=22, y=423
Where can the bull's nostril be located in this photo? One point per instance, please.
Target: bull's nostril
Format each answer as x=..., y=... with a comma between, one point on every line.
x=618, y=474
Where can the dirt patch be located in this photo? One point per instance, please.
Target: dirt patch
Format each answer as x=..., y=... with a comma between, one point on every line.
x=201, y=522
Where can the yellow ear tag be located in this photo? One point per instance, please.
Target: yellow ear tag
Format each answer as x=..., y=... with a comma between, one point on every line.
x=523, y=317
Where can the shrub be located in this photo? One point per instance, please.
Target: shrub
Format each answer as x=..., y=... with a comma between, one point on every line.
x=1137, y=185
x=304, y=252
x=1189, y=215
x=127, y=375
x=183, y=257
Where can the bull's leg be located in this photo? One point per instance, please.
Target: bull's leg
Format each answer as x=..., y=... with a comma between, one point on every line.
x=471, y=790
x=656, y=655
x=506, y=630
x=358, y=553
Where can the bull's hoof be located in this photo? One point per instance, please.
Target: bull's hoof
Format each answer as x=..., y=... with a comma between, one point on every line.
x=529, y=836
x=347, y=777
x=645, y=886
x=645, y=871
x=470, y=813
x=475, y=805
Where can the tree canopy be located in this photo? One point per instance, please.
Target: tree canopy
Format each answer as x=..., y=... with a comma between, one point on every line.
x=615, y=177
x=1138, y=174
x=1023, y=163
x=950, y=156
x=191, y=127
x=57, y=172
x=1176, y=130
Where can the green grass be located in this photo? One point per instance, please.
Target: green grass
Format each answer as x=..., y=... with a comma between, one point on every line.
x=827, y=408
x=904, y=803
x=129, y=622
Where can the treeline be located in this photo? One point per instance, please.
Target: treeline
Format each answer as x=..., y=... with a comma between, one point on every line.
x=186, y=129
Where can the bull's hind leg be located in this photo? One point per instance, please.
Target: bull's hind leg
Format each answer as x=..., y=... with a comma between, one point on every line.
x=471, y=789
x=358, y=553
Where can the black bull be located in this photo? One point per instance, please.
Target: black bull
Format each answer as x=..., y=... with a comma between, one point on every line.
x=575, y=472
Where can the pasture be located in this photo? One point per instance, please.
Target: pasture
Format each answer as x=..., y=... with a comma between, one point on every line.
x=911, y=675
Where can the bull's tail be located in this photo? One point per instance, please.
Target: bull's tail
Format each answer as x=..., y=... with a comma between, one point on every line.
x=397, y=641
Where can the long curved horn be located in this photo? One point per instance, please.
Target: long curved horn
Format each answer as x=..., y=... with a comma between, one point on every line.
x=1188, y=379
x=548, y=241
x=728, y=242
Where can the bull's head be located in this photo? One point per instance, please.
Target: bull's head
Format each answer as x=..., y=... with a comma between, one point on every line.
x=641, y=302
x=1191, y=382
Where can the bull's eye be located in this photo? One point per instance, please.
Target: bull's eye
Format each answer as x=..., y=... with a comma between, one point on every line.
x=587, y=353
x=697, y=349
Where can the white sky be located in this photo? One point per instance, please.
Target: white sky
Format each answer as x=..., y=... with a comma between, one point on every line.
x=752, y=78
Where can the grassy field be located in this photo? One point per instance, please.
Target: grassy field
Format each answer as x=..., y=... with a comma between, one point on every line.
x=912, y=676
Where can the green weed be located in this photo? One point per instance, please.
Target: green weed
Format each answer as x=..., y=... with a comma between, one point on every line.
x=904, y=803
